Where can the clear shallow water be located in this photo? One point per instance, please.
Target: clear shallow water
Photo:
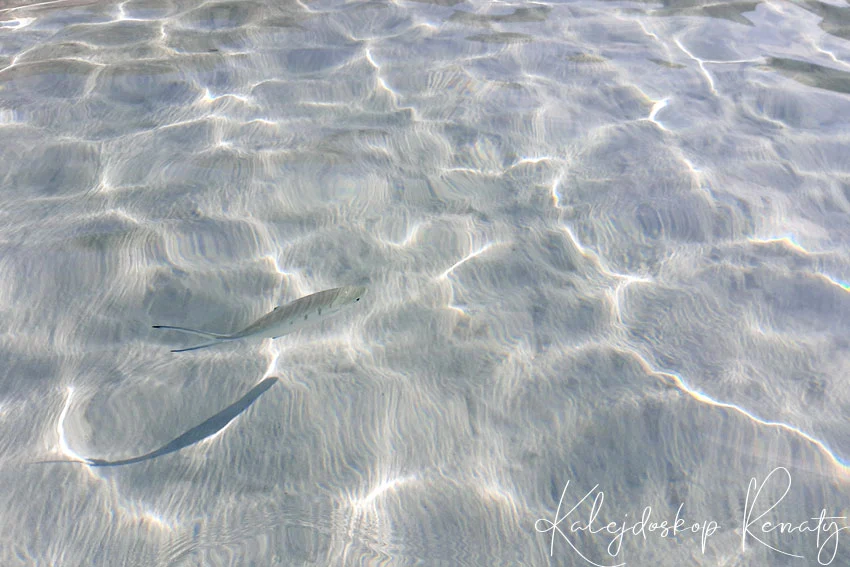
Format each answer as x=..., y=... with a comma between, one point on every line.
x=606, y=243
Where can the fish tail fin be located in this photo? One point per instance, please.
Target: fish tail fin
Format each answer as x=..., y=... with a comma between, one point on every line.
x=206, y=334
x=198, y=347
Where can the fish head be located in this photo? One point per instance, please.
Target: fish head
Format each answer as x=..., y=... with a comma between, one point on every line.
x=350, y=294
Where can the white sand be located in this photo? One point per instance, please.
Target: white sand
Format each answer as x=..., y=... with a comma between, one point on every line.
x=604, y=244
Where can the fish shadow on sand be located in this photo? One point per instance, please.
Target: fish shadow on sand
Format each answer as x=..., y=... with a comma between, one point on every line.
x=198, y=433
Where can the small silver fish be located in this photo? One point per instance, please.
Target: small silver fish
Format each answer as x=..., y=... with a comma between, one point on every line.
x=284, y=319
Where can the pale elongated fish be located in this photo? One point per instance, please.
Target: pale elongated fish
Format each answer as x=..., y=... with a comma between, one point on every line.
x=284, y=319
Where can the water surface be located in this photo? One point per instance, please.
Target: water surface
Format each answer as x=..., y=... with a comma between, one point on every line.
x=606, y=243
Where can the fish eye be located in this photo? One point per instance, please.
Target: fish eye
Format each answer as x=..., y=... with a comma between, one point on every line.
x=358, y=299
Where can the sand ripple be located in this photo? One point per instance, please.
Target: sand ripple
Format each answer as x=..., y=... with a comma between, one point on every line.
x=604, y=243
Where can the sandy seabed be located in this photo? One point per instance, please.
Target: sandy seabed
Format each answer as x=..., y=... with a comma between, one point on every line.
x=607, y=251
